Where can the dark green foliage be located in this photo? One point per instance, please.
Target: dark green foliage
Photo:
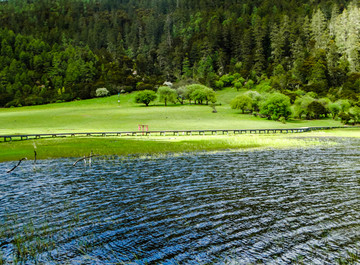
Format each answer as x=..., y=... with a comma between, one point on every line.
x=83, y=45
x=145, y=97
x=316, y=110
x=345, y=117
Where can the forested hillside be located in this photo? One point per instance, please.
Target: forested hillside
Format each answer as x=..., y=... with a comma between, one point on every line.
x=53, y=50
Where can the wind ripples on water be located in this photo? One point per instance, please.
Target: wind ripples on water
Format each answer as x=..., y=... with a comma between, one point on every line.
x=273, y=206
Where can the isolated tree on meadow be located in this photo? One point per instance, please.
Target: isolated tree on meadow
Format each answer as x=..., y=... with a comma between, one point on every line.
x=200, y=93
x=204, y=94
x=145, y=97
x=167, y=94
x=242, y=102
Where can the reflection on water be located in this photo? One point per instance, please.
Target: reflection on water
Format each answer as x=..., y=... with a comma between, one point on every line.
x=274, y=206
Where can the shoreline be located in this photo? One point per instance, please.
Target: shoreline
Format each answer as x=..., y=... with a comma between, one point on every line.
x=51, y=148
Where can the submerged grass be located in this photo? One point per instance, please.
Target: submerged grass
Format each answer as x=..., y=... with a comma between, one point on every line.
x=122, y=146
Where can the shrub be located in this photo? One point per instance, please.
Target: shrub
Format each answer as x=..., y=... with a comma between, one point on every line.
x=355, y=113
x=102, y=92
x=256, y=99
x=227, y=80
x=334, y=109
x=249, y=84
x=282, y=120
x=316, y=110
x=219, y=84
x=275, y=106
x=238, y=85
x=143, y=86
x=242, y=102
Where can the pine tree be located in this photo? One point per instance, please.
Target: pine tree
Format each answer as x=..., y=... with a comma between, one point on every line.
x=347, y=30
x=259, y=36
x=319, y=30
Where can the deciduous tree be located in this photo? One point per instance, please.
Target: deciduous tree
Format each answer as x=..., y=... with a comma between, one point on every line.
x=145, y=97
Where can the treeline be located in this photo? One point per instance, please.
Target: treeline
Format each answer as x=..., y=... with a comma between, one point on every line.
x=65, y=49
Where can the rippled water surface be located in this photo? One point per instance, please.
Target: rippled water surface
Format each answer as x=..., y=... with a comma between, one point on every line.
x=272, y=207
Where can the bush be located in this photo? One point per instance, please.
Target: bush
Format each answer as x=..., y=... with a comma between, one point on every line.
x=143, y=86
x=126, y=89
x=249, y=84
x=256, y=99
x=145, y=97
x=275, y=106
x=316, y=110
x=345, y=117
x=335, y=109
x=238, y=85
x=355, y=114
x=242, y=102
x=227, y=80
x=219, y=84
x=282, y=120
x=102, y=92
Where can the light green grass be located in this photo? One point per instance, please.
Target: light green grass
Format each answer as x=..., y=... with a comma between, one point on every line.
x=346, y=132
x=105, y=114
x=78, y=147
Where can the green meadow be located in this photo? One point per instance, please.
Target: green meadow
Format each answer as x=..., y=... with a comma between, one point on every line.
x=107, y=114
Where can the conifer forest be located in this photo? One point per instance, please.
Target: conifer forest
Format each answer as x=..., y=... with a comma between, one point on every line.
x=61, y=50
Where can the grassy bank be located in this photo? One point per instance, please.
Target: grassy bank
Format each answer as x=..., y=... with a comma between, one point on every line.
x=78, y=147
x=107, y=114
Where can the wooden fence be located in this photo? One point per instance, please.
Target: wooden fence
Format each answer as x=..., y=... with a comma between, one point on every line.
x=5, y=138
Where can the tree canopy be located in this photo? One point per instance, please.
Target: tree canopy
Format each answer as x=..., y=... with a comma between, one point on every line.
x=65, y=49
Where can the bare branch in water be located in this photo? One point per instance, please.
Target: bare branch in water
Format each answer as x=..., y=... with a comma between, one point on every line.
x=83, y=158
x=11, y=170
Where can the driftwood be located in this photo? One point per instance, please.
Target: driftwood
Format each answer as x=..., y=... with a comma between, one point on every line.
x=11, y=170
x=83, y=158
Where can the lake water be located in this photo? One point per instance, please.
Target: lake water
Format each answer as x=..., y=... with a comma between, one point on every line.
x=271, y=207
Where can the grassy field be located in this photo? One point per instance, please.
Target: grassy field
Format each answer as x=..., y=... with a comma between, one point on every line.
x=106, y=114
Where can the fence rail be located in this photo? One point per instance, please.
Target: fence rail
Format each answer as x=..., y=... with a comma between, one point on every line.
x=5, y=138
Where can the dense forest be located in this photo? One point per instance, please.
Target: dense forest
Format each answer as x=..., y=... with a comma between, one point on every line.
x=60, y=50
